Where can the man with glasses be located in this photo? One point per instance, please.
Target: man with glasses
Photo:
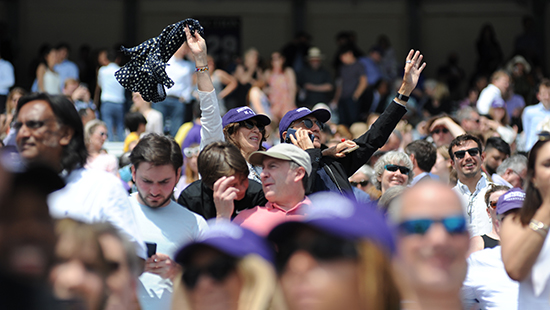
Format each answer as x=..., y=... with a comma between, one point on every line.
x=332, y=167
x=431, y=246
x=466, y=158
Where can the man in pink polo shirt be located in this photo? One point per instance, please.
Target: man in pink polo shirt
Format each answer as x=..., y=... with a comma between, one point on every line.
x=285, y=171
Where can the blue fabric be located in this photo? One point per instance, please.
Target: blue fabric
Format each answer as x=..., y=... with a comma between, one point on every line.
x=113, y=115
x=173, y=112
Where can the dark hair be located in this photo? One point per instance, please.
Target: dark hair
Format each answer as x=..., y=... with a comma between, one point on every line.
x=112, y=55
x=498, y=144
x=64, y=45
x=533, y=199
x=230, y=129
x=462, y=139
x=157, y=150
x=75, y=154
x=544, y=82
x=220, y=159
x=132, y=121
x=348, y=48
x=424, y=152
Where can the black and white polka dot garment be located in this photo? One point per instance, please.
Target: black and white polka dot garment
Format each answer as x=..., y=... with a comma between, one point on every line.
x=145, y=73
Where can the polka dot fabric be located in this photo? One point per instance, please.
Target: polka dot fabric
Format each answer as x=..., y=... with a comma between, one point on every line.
x=145, y=73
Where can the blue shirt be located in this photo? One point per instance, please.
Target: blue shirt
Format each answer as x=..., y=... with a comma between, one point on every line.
x=533, y=118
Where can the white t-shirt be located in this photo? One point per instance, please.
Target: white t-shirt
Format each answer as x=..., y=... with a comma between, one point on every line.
x=111, y=90
x=94, y=196
x=487, y=285
x=170, y=228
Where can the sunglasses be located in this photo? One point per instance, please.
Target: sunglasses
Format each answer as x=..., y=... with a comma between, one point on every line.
x=217, y=270
x=32, y=124
x=544, y=136
x=453, y=225
x=309, y=123
x=437, y=131
x=250, y=125
x=321, y=246
x=394, y=168
x=473, y=152
x=493, y=204
x=191, y=151
x=362, y=183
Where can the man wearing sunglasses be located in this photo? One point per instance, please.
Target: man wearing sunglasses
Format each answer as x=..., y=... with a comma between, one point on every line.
x=432, y=244
x=471, y=186
x=332, y=167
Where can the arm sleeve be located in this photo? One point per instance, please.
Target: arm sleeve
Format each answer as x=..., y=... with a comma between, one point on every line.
x=7, y=77
x=211, y=121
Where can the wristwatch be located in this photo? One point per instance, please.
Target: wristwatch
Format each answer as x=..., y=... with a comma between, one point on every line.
x=539, y=227
x=402, y=97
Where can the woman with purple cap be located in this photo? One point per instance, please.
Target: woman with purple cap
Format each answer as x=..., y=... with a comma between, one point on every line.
x=525, y=250
x=228, y=268
x=338, y=258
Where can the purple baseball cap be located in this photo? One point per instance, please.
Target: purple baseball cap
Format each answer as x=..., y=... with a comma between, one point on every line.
x=498, y=103
x=512, y=199
x=230, y=239
x=339, y=216
x=322, y=115
x=240, y=114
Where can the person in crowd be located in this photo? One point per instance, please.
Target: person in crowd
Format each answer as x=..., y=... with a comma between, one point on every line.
x=112, y=97
x=7, y=118
x=442, y=167
x=389, y=196
x=249, y=74
x=224, y=178
x=371, y=63
x=468, y=119
x=280, y=86
x=181, y=72
x=512, y=172
x=393, y=168
x=336, y=258
x=491, y=239
x=436, y=100
x=285, y=171
x=122, y=281
x=487, y=285
x=423, y=155
x=498, y=122
x=80, y=95
x=136, y=124
x=66, y=68
x=443, y=129
x=191, y=172
x=156, y=168
x=330, y=167
x=154, y=118
x=7, y=80
x=534, y=117
x=49, y=131
x=80, y=274
x=523, y=236
x=228, y=267
x=47, y=78
x=224, y=83
x=466, y=158
x=431, y=229
x=315, y=81
x=350, y=86
x=496, y=151
x=500, y=81
x=95, y=134
x=363, y=180
x=488, y=49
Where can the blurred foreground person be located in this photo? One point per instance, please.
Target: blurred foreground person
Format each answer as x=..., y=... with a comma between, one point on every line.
x=338, y=258
x=432, y=244
x=228, y=268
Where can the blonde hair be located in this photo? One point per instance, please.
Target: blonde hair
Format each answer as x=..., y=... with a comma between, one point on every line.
x=259, y=282
x=90, y=127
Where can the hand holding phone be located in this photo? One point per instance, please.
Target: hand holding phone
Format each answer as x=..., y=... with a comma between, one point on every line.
x=292, y=132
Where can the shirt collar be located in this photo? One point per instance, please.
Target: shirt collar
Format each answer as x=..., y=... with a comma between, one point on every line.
x=298, y=207
x=482, y=183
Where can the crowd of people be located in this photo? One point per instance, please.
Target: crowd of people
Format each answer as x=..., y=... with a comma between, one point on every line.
x=286, y=188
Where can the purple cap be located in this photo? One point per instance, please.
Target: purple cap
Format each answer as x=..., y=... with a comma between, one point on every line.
x=512, y=199
x=321, y=115
x=341, y=217
x=230, y=239
x=498, y=103
x=240, y=114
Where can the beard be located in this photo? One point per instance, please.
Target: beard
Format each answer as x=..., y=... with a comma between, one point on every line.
x=156, y=205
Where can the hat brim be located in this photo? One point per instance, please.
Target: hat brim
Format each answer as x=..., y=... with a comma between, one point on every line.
x=257, y=158
x=262, y=119
x=322, y=115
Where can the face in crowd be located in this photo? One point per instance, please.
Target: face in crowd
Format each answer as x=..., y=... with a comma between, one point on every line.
x=467, y=159
x=155, y=184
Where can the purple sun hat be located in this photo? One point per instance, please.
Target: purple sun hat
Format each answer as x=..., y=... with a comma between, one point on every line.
x=512, y=199
x=321, y=115
x=240, y=114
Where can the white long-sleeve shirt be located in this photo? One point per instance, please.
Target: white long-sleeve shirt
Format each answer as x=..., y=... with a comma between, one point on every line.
x=7, y=77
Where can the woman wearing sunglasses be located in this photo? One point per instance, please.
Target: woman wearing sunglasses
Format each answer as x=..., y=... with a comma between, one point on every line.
x=228, y=268
x=337, y=258
x=525, y=250
x=95, y=135
x=393, y=168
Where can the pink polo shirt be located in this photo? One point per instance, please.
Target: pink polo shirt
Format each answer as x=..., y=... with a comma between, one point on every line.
x=262, y=220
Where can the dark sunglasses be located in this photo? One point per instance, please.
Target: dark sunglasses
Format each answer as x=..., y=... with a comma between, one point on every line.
x=217, y=270
x=250, y=125
x=453, y=225
x=394, y=168
x=309, y=123
x=362, y=183
x=473, y=152
x=32, y=124
x=321, y=246
x=437, y=131
x=544, y=136
x=493, y=204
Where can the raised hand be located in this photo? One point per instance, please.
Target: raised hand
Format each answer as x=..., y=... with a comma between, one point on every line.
x=224, y=196
x=413, y=68
x=197, y=45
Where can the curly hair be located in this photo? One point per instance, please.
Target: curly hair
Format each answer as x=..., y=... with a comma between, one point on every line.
x=392, y=157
